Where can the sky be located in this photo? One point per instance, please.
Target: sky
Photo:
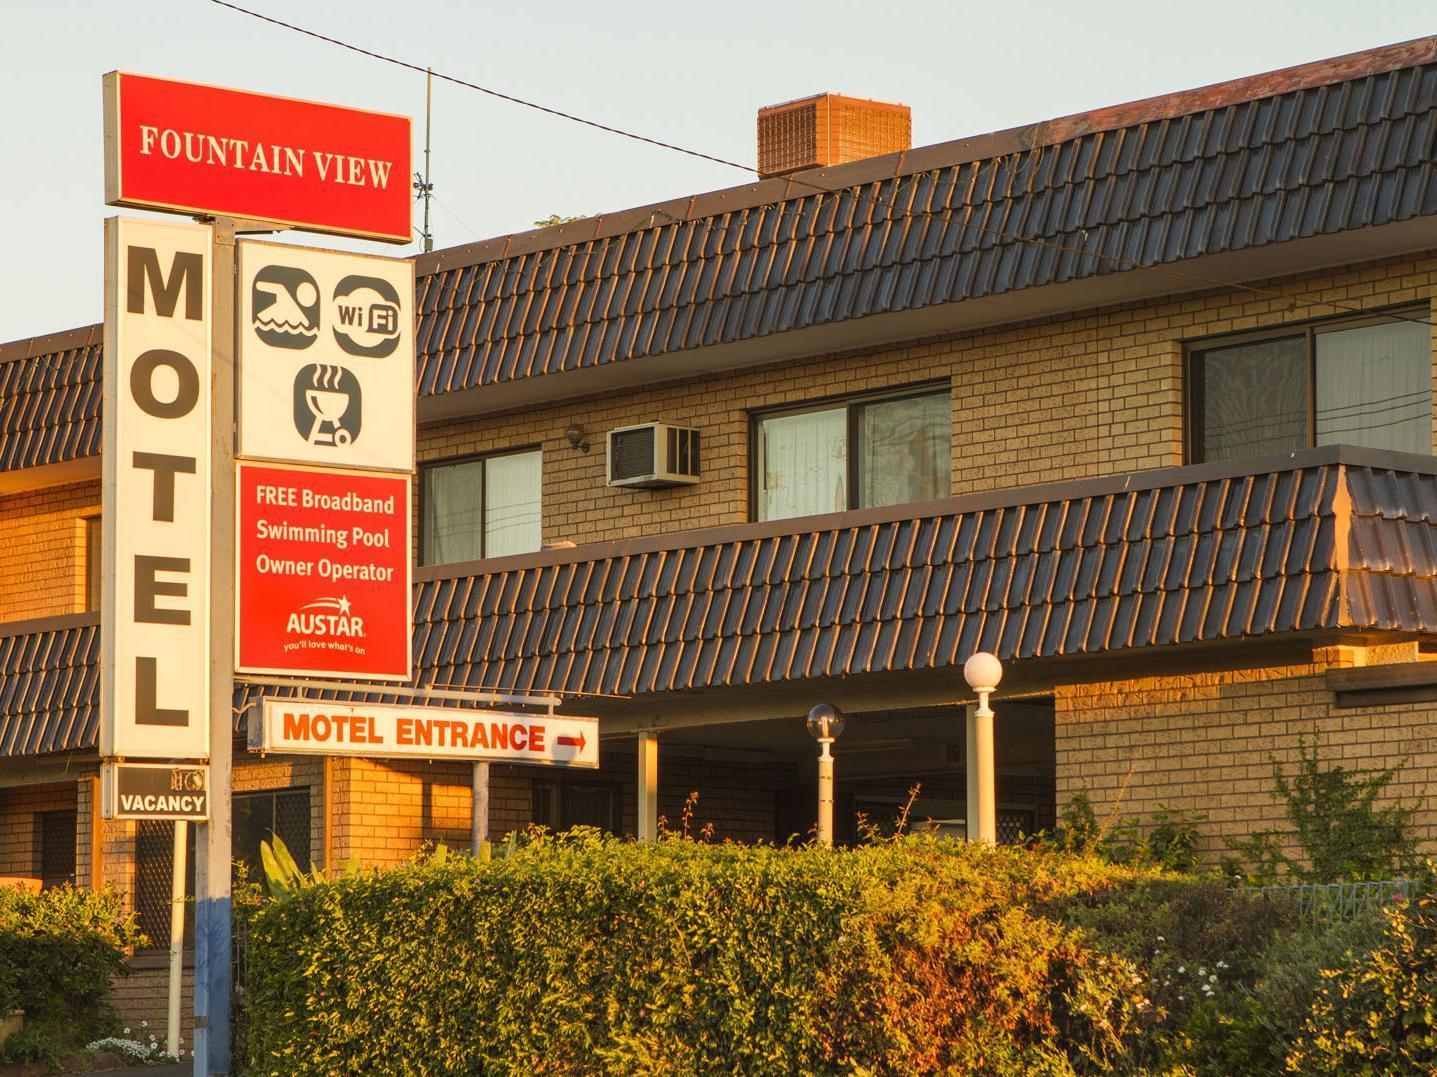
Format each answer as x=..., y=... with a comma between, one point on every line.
x=686, y=73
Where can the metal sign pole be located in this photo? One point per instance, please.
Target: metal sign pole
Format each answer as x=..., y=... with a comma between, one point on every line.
x=213, y=930
x=177, y=936
x=479, y=809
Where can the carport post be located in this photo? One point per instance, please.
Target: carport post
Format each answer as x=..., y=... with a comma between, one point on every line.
x=982, y=671
x=648, y=787
x=970, y=757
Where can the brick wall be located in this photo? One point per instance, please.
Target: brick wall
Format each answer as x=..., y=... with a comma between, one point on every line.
x=141, y=1000
x=19, y=832
x=42, y=532
x=1080, y=396
x=1204, y=742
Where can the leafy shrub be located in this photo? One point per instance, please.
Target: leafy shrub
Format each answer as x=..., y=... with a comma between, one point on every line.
x=1257, y=1028
x=59, y=950
x=1378, y=1013
x=1343, y=834
x=583, y=954
x=1168, y=842
x=1195, y=944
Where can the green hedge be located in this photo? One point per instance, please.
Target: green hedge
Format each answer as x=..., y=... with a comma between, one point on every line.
x=60, y=950
x=582, y=955
x=578, y=954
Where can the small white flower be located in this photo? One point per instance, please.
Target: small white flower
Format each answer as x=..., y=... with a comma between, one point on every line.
x=127, y=1031
x=1202, y=972
x=1182, y=969
x=1212, y=979
x=144, y=1024
x=1161, y=939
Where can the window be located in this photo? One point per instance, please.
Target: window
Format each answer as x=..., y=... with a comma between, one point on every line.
x=481, y=507
x=854, y=454
x=560, y=804
x=1363, y=382
x=256, y=816
x=260, y=816
x=94, y=541
x=154, y=868
x=57, y=847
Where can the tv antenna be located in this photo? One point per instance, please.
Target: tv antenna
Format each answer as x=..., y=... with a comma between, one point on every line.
x=422, y=183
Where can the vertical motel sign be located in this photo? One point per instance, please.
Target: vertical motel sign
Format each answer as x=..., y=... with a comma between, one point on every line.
x=155, y=637
x=226, y=154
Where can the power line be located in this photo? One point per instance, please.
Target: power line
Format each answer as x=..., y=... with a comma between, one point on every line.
x=946, y=216
x=482, y=89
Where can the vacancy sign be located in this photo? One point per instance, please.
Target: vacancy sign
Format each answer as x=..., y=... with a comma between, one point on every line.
x=154, y=791
x=326, y=356
x=155, y=639
x=391, y=732
x=323, y=572
x=204, y=150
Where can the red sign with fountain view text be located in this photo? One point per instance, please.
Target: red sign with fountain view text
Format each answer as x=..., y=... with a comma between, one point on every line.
x=323, y=573
x=207, y=150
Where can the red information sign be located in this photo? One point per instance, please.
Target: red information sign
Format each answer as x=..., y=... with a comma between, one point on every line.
x=323, y=574
x=206, y=150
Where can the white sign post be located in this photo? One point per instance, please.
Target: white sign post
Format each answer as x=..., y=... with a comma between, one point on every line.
x=155, y=633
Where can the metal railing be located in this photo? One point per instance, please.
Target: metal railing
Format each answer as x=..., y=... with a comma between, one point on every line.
x=1328, y=902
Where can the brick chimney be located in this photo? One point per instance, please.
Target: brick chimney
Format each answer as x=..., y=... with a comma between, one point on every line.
x=829, y=129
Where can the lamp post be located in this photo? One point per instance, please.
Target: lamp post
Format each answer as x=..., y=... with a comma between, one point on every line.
x=982, y=671
x=825, y=723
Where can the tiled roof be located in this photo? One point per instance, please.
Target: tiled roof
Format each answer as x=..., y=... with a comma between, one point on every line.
x=1326, y=539
x=50, y=399
x=49, y=687
x=1112, y=565
x=1310, y=151
x=1350, y=153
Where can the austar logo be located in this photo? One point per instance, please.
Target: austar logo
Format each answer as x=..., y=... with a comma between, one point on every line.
x=326, y=617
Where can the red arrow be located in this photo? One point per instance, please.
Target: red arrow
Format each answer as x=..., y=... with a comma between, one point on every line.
x=571, y=742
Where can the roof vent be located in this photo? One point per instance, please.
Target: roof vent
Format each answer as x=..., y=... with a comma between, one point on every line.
x=829, y=129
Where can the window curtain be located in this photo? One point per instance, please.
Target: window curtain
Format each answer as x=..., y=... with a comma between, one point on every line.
x=1374, y=387
x=1255, y=399
x=907, y=452
x=512, y=504
x=804, y=466
x=453, y=512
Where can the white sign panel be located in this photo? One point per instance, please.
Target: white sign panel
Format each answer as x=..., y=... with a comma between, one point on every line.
x=156, y=498
x=378, y=731
x=326, y=357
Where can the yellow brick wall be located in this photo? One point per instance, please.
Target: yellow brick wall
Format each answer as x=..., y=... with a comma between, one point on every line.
x=1080, y=396
x=42, y=534
x=1205, y=742
x=19, y=832
x=141, y=1001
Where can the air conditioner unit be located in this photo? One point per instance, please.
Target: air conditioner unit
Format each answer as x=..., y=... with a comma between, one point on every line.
x=653, y=455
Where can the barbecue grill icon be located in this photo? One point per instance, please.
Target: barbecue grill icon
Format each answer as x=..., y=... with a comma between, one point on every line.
x=326, y=405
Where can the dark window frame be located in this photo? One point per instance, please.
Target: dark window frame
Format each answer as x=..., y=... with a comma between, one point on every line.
x=1194, y=411
x=154, y=852
x=560, y=783
x=94, y=539
x=46, y=828
x=470, y=458
x=853, y=404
